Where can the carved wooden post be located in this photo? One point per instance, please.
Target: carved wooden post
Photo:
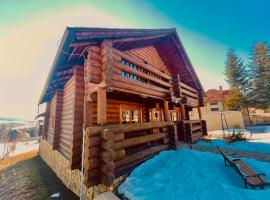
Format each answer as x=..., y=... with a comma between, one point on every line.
x=166, y=110
x=183, y=111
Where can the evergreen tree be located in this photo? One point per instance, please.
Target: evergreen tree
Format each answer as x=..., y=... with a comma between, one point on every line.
x=260, y=75
x=234, y=100
x=237, y=78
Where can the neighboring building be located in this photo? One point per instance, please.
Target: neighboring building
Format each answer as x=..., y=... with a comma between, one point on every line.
x=214, y=100
x=260, y=116
x=216, y=114
x=130, y=89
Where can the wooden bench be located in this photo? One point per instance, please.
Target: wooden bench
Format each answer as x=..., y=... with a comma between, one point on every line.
x=250, y=177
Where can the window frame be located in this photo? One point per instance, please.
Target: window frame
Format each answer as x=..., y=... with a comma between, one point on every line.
x=131, y=109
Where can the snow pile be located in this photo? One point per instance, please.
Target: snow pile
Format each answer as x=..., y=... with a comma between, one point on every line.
x=253, y=133
x=190, y=175
x=21, y=147
x=241, y=146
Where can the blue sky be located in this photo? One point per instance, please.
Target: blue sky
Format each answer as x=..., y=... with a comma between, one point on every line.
x=30, y=31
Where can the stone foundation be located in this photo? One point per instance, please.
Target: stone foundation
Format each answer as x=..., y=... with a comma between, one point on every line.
x=70, y=178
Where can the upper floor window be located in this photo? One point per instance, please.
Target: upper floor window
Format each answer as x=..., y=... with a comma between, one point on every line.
x=131, y=65
x=214, y=106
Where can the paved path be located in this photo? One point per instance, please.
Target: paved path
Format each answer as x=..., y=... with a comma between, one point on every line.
x=31, y=179
x=242, y=154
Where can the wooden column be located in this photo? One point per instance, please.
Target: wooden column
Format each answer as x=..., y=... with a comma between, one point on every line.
x=183, y=111
x=101, y=106
x=173, y=136
x=166, y=110
x=200, y=113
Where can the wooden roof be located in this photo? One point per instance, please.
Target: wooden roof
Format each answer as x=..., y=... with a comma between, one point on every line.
x=72, y=51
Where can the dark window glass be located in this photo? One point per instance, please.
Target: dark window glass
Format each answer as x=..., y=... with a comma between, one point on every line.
x=123, y=62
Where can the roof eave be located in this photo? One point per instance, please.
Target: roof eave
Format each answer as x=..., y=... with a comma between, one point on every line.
x=61, y=45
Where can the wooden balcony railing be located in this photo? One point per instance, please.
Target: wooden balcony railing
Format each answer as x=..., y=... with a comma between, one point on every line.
x=114, y=150
x=183, y=90
x=190, y=93
x=133, y=75
x=191, y=130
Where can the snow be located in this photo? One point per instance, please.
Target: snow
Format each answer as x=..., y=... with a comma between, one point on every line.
x=55, y=195
x=253, y=133
x=21, y=147
x=190, y=175
x=258, y=147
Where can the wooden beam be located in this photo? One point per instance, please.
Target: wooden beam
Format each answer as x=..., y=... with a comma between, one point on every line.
x=139, y=155
x=125, y=128
x=138, y=140
x=166, y=110
x=141, y=74
x=140, y=63
x=200, y=113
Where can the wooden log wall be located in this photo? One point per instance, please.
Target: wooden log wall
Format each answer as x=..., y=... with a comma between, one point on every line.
x=92, y=78
x=111, y=154
x=150, y=80
x=150, y=55
x=113, y=110
x=46, y=120
x=72, y=118
x=54, y=126
x=191, y=130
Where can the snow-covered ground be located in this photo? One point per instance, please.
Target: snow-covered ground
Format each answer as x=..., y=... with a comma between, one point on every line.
x=258, y=147
x=191, y=175
x=21, y=147
x=254, y=134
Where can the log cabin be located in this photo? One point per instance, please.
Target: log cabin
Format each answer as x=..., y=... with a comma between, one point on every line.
x=119, y=96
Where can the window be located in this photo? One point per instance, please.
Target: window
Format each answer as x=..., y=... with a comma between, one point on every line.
x=125, y=116
x=130, y=114
x=214, y=107
x=174, y=115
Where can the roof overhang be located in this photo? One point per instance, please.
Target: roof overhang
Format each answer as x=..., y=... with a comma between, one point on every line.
x=72, y=51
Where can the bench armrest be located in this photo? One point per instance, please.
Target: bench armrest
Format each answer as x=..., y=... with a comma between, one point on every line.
x=255, y=175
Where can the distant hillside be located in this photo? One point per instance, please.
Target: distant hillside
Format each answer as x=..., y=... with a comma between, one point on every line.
x=10, y=119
